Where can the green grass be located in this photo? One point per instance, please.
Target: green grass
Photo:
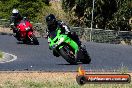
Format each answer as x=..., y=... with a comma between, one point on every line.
x=57, y=84
x=1, y=54
x=9, y=84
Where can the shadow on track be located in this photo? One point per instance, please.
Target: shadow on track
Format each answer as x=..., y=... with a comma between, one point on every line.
x=79, y=63
x=26, y=43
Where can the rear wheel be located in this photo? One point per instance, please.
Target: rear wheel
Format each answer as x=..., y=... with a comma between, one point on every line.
x=68, y=55
x=86, y=59
x=25, y=41
x=35, y=40
x=84, y=56
x=55, y=53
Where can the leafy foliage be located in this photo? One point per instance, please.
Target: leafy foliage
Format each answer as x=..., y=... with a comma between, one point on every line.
x=108, y=14
x=29, y=8
x=1, y=54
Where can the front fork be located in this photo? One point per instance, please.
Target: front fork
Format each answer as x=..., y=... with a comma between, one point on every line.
x=29, y=35
x=72, y=52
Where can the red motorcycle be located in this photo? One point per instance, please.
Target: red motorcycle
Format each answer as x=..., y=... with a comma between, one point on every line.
x=25, y=33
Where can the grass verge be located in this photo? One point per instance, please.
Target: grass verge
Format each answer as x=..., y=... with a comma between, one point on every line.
x=1, y=54
x=48, y=80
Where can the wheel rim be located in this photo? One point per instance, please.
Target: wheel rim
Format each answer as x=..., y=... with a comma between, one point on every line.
x=69, y=52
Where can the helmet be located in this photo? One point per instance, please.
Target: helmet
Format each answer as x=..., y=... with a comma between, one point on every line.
x=15, y=12
x=50, y=19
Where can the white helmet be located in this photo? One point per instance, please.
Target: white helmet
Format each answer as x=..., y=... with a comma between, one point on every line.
x=15, y=11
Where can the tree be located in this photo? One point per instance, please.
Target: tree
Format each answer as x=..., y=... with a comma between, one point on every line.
x=121, y=16
x=46, y=1
x=29, y=8
x=108, y=14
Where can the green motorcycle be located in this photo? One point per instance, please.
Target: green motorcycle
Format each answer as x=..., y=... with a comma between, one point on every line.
x=67, y=48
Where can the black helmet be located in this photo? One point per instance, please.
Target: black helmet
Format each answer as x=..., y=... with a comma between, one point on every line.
x=50, y=19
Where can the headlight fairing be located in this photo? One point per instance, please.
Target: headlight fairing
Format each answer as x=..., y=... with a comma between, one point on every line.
x=27, y=28
x=60, y=41
x=54, y=46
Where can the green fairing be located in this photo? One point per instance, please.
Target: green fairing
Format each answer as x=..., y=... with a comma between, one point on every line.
x=53, y=41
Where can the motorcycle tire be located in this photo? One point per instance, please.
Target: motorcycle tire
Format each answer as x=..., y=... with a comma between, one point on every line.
x=25, y=41
x=86, y=56
x=55, y=53
x=68, y=58
x=87, y=60
x=35, y=40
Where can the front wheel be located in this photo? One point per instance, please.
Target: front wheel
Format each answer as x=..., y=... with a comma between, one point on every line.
x=66, y=54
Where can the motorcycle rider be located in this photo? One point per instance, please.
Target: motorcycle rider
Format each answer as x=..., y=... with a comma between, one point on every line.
x=53, y=24
x=14, y=21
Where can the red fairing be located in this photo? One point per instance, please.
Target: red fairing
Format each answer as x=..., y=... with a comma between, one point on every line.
x=24, y=24
x=30, y=33
x=26, y=33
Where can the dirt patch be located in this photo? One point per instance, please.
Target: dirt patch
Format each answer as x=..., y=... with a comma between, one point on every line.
x=37, y=76
x=48, y=80
x=5, y=30
x=42, y=76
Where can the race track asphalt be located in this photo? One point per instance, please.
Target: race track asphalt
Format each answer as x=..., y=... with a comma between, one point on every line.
x=106, y=57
